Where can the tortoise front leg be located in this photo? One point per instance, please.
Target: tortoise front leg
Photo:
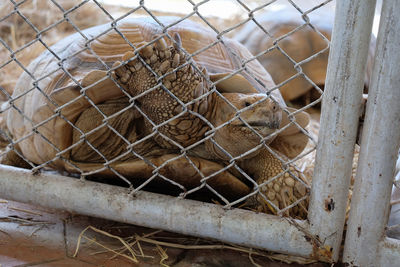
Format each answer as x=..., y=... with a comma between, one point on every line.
x=277, y=185
x=179, y=170
x=11, y=158
x=166, y=81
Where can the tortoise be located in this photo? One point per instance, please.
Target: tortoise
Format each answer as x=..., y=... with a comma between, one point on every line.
x=132, y=103
x=305, y=41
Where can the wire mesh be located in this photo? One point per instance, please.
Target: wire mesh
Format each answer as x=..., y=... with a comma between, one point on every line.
x=393, y=226
x=74, y=111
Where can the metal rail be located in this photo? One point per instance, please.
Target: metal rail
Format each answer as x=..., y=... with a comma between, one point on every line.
x=339, y=118
x=389, y=252
x=380, y=143
x=157, y=211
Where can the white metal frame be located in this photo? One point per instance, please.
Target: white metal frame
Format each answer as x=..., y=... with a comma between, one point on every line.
x=319, y=237
x=155, y=210
x=339, y=119
x=366, y=244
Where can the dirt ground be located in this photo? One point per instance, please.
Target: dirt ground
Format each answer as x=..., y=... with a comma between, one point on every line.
x=35, y=236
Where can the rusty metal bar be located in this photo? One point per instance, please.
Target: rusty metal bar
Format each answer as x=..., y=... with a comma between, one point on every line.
x=157, y=211
x=340, y=111
x=379, y=147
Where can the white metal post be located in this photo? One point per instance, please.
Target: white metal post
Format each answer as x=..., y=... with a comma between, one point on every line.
x=157, y=211
x=340, y=107
x=379, y=147
x=389, y=253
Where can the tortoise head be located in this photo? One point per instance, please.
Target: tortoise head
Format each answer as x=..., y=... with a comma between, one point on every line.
x=290, y=140
x=243, y=121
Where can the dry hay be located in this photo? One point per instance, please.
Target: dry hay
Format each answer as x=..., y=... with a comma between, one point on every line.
x=20, y=36
x=135, y=248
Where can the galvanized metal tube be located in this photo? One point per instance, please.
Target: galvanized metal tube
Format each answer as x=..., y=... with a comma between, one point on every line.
x=379, y=146
x=389, y=253
x=157, y=211
x=340, y=113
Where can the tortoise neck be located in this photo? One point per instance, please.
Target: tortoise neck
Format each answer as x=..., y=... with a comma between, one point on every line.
x=211, y=113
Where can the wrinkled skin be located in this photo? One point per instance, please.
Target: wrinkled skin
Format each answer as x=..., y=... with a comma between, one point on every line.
x=252, y=118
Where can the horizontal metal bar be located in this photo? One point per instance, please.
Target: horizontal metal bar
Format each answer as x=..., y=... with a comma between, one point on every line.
x=190, y=217
x=389, y=252
x=339, y=118
x=379, y=147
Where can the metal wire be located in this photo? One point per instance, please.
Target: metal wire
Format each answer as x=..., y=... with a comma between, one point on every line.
x=249, y=16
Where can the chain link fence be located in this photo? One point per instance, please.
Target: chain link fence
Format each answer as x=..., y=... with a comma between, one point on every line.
x=172, y=139
x=179, y=106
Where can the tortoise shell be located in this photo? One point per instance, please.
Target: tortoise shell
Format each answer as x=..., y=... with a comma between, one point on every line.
x=75, y=74
x=301, y=42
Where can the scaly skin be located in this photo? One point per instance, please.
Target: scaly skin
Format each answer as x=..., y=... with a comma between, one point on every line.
x=185, y=84
x=235, y=138
x=281, y=191
x=111, y=141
